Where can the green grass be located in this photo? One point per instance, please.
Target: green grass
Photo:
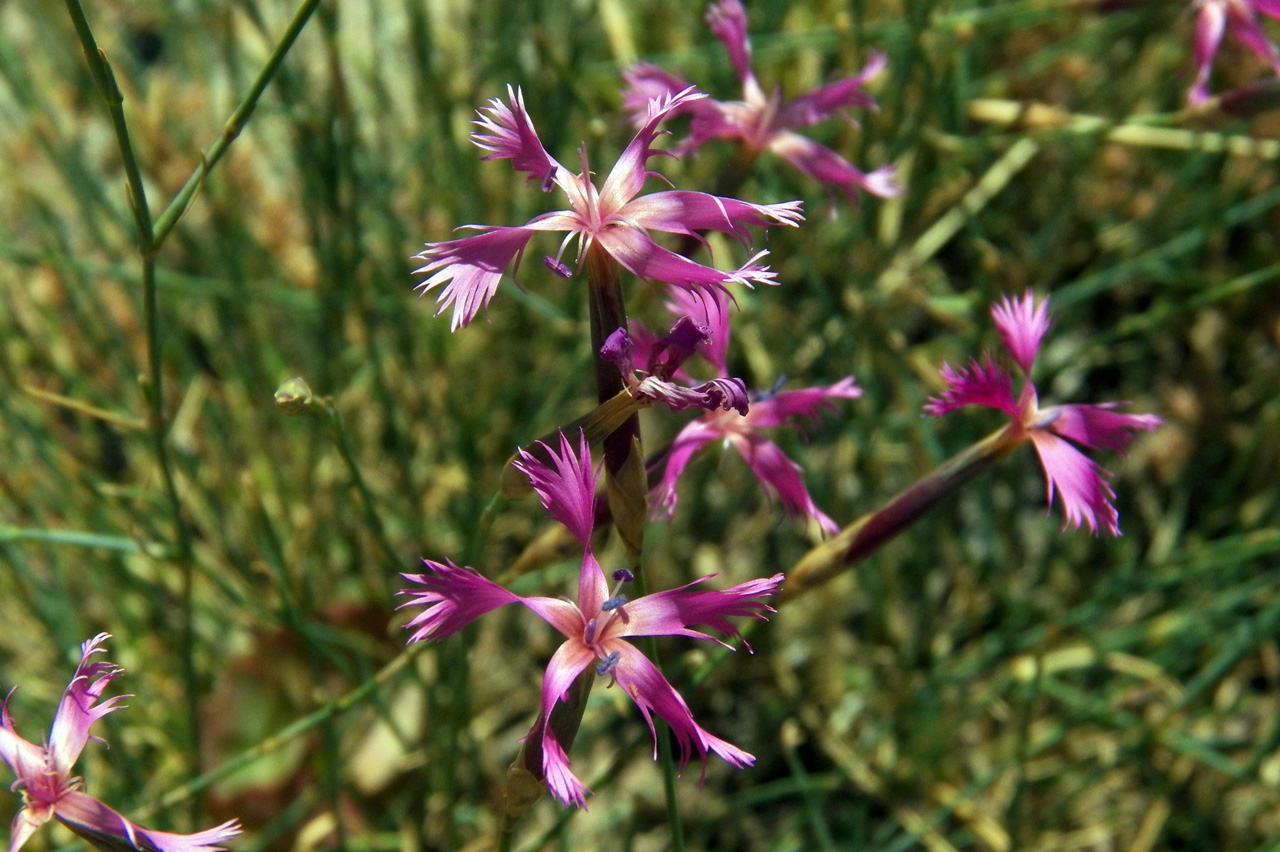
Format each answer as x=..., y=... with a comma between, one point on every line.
x=985, y=682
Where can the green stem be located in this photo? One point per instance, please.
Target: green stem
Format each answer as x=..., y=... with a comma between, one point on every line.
x=105, y=79
x=178, y=206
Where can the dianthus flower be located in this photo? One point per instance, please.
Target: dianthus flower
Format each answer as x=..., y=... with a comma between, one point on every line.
x=614, y=217
x=738, y=427
x=1086, y=496
x=50, y=792
x=597, y=627
x=1213, y=18
x=766, y=122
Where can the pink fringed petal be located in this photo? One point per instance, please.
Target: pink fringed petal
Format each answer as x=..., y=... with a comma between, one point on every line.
x=691, y=439
x=1086, y=496
x=827, y=167
x=676, y=611
x=728, y=22
x=777, y=409
x=568, y=488
x=645, y=685
x=451, y=598
x=471, y=269
x=628, y=175
x=507, y=133
x=77, y=711
x=1097, y=426
x=825, y=101
x=682, y=212
x=979, y=384
x=1022, y=325
x=781, y=476
x=105, y=828
x=569, y=661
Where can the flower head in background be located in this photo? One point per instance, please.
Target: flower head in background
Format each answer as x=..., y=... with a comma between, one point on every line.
x=615, y=218
x=597, y=627
x=50, y=792
x=1213, y=19
x=766, y=122
x=1086, y=496
x=740, y=428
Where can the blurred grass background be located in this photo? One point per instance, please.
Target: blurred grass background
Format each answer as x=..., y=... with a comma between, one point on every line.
x=987, y=682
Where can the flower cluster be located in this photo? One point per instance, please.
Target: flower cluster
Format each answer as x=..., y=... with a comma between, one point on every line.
x=596, y=628
x=44, y=772
x=615, y=217
x=1082, y=482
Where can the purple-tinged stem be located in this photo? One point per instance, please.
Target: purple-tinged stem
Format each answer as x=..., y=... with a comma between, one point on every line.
x=872, y=531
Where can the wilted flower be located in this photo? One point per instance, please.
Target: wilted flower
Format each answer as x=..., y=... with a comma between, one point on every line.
x=742, y=428
x=765, y=122
x=611, y=217
x=1086, y=496
x=1213, y=18
x=597, y=627
x=44, y=772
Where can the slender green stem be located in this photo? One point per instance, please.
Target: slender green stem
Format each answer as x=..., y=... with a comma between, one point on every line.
x=105, y=79
x=178, y=206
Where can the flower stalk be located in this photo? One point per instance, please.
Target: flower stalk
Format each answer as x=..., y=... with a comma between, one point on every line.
x=873, y=530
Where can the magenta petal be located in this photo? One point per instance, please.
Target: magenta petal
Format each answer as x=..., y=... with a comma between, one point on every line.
x=645, y=685
x=1022, y=325
x=823, y=102
x=691, y=438
x=681, y=212
x=709, y=308
x=1210, y=24
x=780, y=475
x=24, y=758
x=1086, y=496
x=676, y=611
x=777, y=409
x=76, y=712
x=25, y=823
x=507, y=133
x=645, y=83
x=628, y=174
x=104, y=827
x=451, y=598
x=568, y=491
x=728, y=21
x=569, y=661
x=644, y=258
x=827, y=167
x=471, y=268
x=1097, y=426
x=561, y=781
x=1242, y=20
x=979, y=384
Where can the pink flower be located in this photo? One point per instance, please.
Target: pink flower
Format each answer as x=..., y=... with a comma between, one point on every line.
x=612, y=217
x=44, y=772
x=1241, y=17
x=597, y=627
x=1086, y=496
x=766, y=122
x=741, y=429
